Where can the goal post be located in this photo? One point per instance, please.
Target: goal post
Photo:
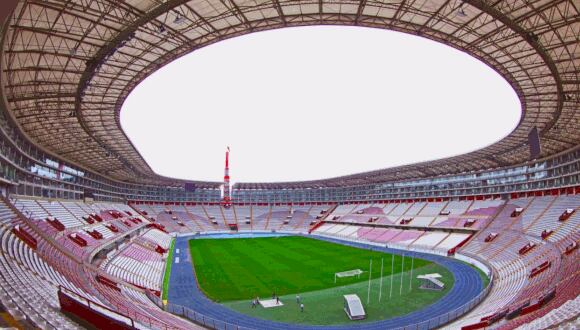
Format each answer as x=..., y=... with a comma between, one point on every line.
x=348, y=273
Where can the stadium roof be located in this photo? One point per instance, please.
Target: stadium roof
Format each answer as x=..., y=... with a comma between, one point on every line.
x=67, y=67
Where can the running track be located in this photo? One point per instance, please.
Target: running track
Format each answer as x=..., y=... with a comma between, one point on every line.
x=183, y=290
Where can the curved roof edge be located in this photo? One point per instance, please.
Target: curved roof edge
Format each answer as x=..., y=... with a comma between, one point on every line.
x=69, y=67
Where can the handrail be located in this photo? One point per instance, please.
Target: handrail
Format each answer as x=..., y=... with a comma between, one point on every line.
x=91, y=304
x=202, y=319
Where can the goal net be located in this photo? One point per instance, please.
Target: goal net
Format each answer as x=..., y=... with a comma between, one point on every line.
x=348, y=273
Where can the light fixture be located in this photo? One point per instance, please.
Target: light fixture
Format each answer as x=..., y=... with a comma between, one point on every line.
x=460, y=11
x=179, y=19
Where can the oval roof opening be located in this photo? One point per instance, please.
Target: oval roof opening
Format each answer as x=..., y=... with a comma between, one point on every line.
x=316, y=102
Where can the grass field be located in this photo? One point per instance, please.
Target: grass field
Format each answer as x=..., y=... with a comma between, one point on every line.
x=325, y=307
x=234, y=271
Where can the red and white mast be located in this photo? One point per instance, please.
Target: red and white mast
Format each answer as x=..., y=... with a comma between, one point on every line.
x=226, y=199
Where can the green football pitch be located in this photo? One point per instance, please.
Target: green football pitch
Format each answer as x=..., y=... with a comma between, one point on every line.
x=234, y=271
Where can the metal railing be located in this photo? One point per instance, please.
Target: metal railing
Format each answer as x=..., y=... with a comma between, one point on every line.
x=202, y=319
x=432, y=323
x=451, y=315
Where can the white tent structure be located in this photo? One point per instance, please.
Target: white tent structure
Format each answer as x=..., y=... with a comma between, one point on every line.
x=431, y=282
x=353, y=307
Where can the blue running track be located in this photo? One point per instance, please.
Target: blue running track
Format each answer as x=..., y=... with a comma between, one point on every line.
x=183, y=290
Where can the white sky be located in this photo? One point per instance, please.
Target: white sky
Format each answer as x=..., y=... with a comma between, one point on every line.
x=315, y=102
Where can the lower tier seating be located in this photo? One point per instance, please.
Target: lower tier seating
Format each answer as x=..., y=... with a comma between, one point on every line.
x=30, y=280
x=138, y=265
x=31, y=275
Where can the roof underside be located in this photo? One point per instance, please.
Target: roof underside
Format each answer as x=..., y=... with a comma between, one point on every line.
x=69, y=65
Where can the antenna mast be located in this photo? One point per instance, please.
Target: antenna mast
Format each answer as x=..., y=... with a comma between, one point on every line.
x=226, y=199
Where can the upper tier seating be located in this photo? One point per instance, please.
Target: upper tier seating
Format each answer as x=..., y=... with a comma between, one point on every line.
x=186, y=218
x=73, y=216
x=202, y=218
x=454, y=214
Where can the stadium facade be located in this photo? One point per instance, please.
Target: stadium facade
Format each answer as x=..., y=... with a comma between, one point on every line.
x=68, y=66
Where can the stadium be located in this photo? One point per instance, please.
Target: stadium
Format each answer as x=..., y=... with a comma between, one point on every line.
x=92, y=237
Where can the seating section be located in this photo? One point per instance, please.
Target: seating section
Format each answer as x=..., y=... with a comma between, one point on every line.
x=279, y=218
x=520, y=279
x=305, y=216
x=452, y=241
x=28, y=283
x=457, y=207
x=138, y=265
x=432, y=208
x=244, y=216
x=202, y=218
x=549, y=218
x=278, y=215
x=453, y=214
x=260, y=217
x=25, y=294
x=343, y=209
x=30, y=274
x=515, y=286
x=415, y=208
x=158, y=214
x=535, y=210
x=73, y=216
x=57, y=210
x=30, y=278
x=31, y=209
x=6, y=213
x=430, y=240
x=214, y=213
x=229, y=215
x=566, y=313
x=158, y=237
